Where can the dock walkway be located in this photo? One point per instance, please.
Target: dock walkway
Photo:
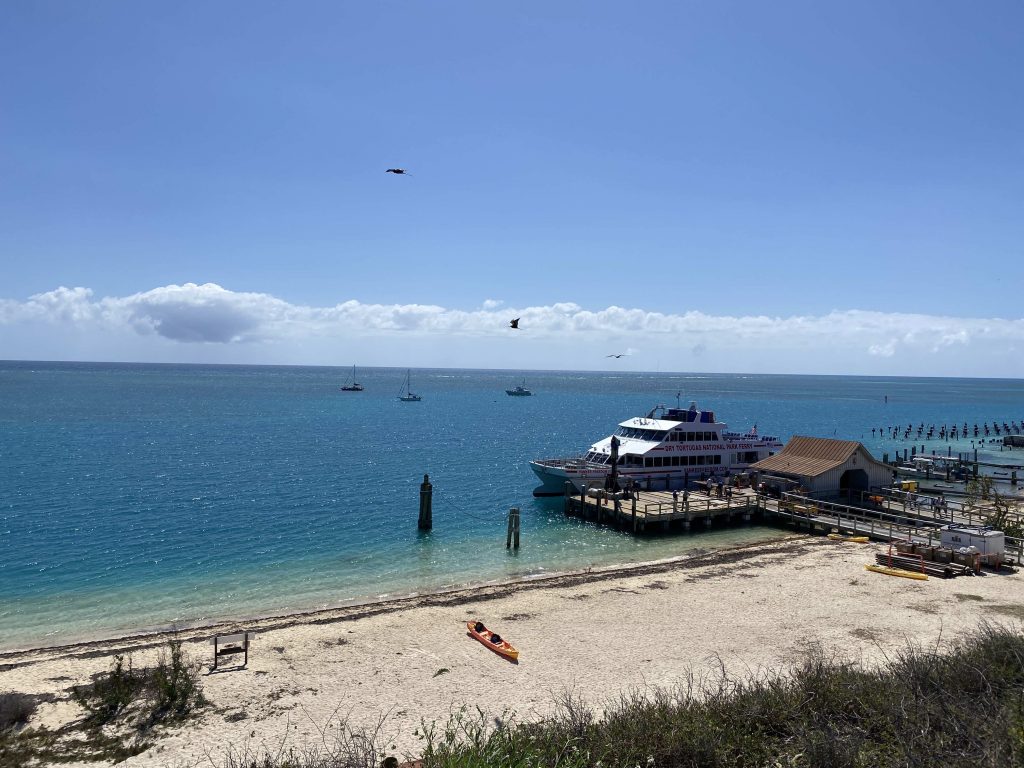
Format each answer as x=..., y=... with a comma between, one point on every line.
x=646, y=511
x=657, y=511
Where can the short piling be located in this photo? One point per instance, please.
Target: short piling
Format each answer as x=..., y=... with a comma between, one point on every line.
x=512, y=539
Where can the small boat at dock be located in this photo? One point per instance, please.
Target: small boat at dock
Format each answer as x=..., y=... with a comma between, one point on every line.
x=492, y=640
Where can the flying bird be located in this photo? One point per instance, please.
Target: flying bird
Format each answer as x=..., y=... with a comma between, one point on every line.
x=514, y=323
x=397, y=171
x=621, y=354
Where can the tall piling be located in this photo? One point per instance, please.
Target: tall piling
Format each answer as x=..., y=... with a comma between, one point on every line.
x=426, y=521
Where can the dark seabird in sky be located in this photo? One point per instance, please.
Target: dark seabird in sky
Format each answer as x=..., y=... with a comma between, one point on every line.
x=514, y=323
x=398, y=171
x=621, y=354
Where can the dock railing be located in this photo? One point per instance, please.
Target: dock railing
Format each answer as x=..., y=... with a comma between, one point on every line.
x=878, y=523
x=697, y=506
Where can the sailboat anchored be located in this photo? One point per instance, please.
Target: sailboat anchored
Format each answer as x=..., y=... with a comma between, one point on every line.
x=519, y=391
x=409, y=396
x=352, y=385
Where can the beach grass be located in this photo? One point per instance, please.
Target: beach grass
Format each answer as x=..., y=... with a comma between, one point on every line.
x=122, y=707
x=918, y=708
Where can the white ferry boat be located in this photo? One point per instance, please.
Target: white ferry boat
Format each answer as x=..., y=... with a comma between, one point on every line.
x=665, y=449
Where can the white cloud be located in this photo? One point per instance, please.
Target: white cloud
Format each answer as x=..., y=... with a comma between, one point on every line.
x=191, y=317
x=888, y=349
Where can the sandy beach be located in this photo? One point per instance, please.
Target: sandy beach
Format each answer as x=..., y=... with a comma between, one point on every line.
x=597, y=633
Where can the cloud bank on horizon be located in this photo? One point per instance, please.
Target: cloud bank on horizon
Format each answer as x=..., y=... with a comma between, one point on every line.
x=208, y=323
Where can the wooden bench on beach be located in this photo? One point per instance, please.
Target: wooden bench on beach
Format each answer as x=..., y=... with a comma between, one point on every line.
x=228, y=645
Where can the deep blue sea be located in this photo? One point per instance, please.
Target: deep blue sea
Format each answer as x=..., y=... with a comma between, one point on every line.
x=144, y=496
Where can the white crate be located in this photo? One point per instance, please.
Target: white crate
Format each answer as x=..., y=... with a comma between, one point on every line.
x=990, y=543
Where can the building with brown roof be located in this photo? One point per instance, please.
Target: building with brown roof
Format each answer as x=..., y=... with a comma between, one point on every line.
x=823, y=465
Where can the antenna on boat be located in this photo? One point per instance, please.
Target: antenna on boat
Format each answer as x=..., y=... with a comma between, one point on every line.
x=678, y=395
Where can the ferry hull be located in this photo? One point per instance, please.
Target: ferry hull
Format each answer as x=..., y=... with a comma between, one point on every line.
x=555, y=473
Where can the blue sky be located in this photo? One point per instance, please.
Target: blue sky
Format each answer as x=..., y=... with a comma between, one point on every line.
x=845, y=177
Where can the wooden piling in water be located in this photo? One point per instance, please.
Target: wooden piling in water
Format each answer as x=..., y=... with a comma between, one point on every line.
x=426, y=521
x=512, y=538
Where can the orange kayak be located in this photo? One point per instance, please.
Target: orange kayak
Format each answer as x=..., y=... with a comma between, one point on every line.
x=485, y=636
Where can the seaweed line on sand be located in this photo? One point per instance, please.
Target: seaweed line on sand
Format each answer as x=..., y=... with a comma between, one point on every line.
x=446, y=598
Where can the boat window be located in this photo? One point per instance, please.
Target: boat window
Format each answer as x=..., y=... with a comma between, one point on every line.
x=648, y=462
x=690, y=436
x=700, y=460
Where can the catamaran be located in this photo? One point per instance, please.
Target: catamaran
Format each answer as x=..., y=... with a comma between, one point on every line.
x=408, y=396
x=665, y=449
x=352, y=385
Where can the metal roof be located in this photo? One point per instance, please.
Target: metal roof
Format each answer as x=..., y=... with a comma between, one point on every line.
x=811, y=456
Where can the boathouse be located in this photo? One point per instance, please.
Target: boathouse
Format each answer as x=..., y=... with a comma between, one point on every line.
x=824, y=466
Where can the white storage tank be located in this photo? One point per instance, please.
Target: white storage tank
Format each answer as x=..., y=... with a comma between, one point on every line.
x=988, y=542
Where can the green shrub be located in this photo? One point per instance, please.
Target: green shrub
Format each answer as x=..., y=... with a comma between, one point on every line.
x=110, y=693
x=15, y=709
x=174, y=684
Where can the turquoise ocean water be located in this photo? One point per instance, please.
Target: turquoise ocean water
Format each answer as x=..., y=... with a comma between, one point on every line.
x=142, y=496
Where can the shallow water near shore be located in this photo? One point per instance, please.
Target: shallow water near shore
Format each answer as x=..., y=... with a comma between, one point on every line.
x=138, y=496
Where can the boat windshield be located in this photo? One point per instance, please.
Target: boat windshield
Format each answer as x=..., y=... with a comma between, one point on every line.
x=653, y=435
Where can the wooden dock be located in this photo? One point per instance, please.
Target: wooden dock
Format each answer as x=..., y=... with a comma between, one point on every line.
x=660, y=511
x=880, y=524
x=649, y=511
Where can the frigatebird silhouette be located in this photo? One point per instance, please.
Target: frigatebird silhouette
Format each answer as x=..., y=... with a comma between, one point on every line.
x=621, y=354
x=514, y=323
x=397, y=171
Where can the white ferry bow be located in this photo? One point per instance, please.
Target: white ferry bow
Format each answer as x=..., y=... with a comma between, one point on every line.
x=663, y=450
